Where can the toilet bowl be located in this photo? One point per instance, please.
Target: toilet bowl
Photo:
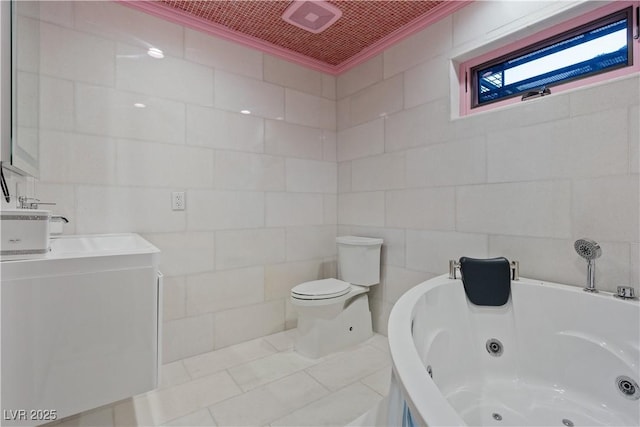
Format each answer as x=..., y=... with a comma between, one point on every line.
x=334, y=314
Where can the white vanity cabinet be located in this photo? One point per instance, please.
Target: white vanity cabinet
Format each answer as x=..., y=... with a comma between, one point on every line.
x=80, y=327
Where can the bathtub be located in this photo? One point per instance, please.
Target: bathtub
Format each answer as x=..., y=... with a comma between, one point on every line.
x=564, y=355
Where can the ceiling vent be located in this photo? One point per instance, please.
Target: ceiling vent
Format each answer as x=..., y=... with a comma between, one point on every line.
x=312, y=15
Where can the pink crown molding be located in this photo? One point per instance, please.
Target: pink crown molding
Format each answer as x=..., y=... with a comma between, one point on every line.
x=177, y=16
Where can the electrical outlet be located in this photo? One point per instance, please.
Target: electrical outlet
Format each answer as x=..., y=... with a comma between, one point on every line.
x=178, y=202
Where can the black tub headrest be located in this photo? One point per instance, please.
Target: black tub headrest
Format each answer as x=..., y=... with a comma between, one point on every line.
x=486, y=281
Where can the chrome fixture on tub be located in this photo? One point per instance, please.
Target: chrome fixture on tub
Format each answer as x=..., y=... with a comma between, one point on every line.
x=589, y=250
x=454, y=269
x=625, y=292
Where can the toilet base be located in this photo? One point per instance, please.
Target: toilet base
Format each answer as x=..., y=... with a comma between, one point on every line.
x=318, y=337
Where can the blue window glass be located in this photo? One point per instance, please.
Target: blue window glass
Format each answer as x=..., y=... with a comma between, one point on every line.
x=597, y=47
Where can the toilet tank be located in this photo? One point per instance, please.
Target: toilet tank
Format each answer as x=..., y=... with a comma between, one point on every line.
x=359, y=260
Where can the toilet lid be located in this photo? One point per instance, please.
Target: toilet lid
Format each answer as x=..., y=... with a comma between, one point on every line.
x=321, y=289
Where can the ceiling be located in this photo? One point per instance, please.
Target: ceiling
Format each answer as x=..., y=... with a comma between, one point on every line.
x=365, y=28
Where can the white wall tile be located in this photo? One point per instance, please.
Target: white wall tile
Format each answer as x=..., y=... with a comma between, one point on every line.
x=310, y=110
x=555, y=260
x=310, y=242
x=117, y=22
x=429, y=208
x=244, y=323
x=290, y=315
x=74, y=158
x=538, y=209
x=248, y=171
x=406, y=129
x=534, y=111
x=294, y=76
x=343, y=113
x=329, y=145
x=431, y=251
x=381, y=172
x=435, y=39
x=366, y=209
x=361, y=141
x=360, y=76
x=85, y=58
x=241, y=248
x=184, y=253
x=287, y=209
x=173, y=298
x=280, y=278
x=287, y=139
x=169, y=77
x=344, y=177
x=606, y=208
x=236, y=93
x=187, y=337
x=482, y=18
x=426, y=82
x=225, y=130
x=330, y=206
x=398, y=280
x=117, y=210
x=219, y=210
x=452, y=163
x=380, y=311
x=311, y=176
x=419, y=126
x=589, y=145
x=635, y=267
x=110, y=112
x=221, y=54
x=606, y=96
x=56, y=104
x=163, y=165
x=221, y=290
x=634, y=139
x=393, y=248
x=329, y=86
x=379, y=100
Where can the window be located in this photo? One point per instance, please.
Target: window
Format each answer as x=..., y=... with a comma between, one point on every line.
x=542, y=64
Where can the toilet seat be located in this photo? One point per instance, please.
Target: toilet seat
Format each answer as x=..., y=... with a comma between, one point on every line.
x=321, y=289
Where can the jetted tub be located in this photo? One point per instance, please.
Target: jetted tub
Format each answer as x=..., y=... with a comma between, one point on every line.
x=564, y=357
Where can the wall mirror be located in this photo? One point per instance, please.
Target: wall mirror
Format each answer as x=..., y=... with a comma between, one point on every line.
x=21, y=96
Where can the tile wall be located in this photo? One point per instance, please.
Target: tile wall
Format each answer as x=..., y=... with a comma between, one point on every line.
x=260, y=189
x=268, y=192
x=523, y=182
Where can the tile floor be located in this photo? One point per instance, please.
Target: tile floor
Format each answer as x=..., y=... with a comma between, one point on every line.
x=262, y=382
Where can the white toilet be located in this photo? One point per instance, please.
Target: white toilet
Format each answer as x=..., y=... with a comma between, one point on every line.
x=334, y=314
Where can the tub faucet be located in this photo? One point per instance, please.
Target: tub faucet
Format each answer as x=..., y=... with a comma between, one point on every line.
x=590, y=251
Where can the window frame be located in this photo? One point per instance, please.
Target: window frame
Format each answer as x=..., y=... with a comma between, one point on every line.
x=571, y=27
